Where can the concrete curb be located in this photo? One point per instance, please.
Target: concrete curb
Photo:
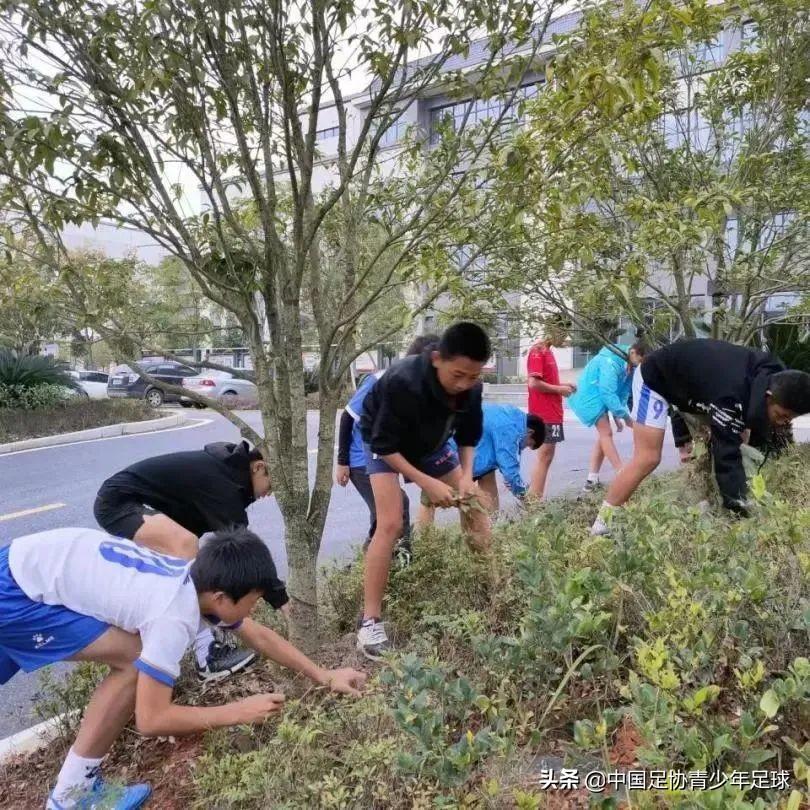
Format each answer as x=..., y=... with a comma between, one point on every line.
x=29, y=739
x=122, y=429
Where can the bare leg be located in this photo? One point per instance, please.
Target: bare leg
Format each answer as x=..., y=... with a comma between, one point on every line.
x=475, y=524
x=597, y=458
x=162, y=534
x=545, y=455
x=606, y=443
x=425, y=516
x=488, y=485
x=647, y=445
x=113, y=702
x=388, y=502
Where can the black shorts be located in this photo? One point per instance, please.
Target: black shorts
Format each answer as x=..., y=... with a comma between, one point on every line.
x=119, y=514
x=554, y=433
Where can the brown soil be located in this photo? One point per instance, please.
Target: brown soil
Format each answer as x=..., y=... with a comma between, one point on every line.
x=626, y=741
x=165, y=763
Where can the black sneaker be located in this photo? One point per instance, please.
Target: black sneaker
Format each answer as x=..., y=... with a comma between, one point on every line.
x=372, y=640
x=591, y=486
x=224, y=660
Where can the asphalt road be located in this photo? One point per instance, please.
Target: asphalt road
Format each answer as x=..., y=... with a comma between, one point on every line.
x=55, y=487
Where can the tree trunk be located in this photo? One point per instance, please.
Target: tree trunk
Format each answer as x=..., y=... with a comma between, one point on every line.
x=302, y=583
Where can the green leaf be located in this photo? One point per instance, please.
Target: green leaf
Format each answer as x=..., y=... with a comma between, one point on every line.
x=756, y=756
x=769, y=704
x=758, y=488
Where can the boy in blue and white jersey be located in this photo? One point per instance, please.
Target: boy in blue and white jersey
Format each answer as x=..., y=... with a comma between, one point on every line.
x=83, y=595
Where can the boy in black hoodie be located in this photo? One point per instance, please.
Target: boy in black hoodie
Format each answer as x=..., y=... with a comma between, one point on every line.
x=742, y=393
x=168, y=502
x=408, y=417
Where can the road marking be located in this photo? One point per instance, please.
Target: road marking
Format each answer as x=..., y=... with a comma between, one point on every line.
x=34, y=511
x=195, y=423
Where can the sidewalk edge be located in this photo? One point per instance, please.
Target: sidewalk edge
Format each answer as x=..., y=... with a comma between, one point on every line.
x=29, y=739
x=121, y=429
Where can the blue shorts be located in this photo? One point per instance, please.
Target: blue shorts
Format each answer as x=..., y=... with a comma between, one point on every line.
x=436, y=465
x=33, y=634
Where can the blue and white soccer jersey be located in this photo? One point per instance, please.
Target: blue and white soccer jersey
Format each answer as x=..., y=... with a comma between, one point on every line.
x=61, y=589
x=649, y=408
x=357, y=452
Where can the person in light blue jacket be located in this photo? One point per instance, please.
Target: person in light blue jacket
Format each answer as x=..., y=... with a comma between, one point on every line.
x=507, y=431
x=604, y=390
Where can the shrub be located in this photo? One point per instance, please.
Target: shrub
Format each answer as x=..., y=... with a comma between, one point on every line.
x=29, y=371
x=683, y=636
x=68, y=415
x=46, y=395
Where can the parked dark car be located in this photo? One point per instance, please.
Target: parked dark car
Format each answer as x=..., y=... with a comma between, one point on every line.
x=128, y=383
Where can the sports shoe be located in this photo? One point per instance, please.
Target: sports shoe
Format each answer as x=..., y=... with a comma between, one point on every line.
x=600, y=528
x=372, y=639
x=224, y=659
x=591, y=486
x=403, y=553
x=110, y=797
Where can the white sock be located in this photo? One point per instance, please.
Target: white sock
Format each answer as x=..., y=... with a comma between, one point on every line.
x=202, y=644
x=76, y=777
x=593, y=477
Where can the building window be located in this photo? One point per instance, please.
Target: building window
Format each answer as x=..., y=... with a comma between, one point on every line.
x=326, y=133
x=471, y=266
x=749, y=36
x=698, y=57
x=709, y=54
x=394, y=134
x=480, y=110
x=687, y=127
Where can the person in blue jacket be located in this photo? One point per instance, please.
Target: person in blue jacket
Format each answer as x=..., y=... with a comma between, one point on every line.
x=507, y=431
x=604, y=391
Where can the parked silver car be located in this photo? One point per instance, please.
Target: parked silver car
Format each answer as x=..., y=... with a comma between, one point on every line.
x=231, y=391
x=93, y=384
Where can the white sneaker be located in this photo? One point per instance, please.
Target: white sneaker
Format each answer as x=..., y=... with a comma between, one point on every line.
x=372, y=640
x=600, y=528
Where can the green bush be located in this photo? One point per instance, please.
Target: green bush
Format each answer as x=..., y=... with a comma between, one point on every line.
x=45, y=395
x=692, y=628
x=68, y=415
x=30, y=371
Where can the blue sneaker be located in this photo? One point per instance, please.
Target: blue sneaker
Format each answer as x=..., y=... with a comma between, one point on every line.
x=110, y=797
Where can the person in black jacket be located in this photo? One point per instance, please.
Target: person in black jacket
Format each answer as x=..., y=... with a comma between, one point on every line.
x=408, y=417
x=168, y=502
x=741, y=393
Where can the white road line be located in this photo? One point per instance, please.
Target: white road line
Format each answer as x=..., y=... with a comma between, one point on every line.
x=195, y=424
x=33, y=511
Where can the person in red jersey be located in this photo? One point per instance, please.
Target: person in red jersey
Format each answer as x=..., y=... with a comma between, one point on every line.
x=546, y=401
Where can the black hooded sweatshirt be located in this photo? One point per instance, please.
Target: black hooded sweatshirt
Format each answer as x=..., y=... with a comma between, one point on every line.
x=202, y=490
x=726, y=383
x=408, y=412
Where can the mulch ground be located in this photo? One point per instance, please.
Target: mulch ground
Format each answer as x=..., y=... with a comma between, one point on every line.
x=167, y=763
